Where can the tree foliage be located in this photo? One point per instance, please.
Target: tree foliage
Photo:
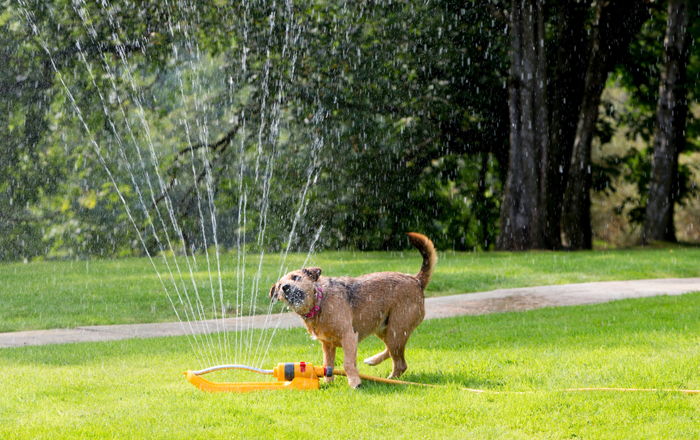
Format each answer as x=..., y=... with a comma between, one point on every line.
x=315, y=122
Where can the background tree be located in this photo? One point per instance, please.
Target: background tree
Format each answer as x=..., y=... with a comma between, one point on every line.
x=567, y=75
x=616, y=24
x=525, y=198
x=358, y=119
x=640, y=74
x=669, y=138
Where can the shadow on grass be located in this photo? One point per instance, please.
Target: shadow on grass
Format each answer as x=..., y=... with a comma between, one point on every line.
x=448, y=380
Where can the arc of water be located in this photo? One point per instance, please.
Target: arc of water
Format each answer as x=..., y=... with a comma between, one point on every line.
x=162, y=222
x=263, y=357
x=242, y=285
x=212, y=210
x=156, y=165
x=200, y=307
x=269, y=169
x=84, y=17
x=302, y=203
x=242, y=202
x=224, y=348
x=289, y=243
x=267, y=181
x=199, y=206
x=120, y=50
x=145, y=210
x=240, y=268
x=203, y=323
x=261, y=234
x=209, y=183
x=275, y=118
x=93, y=142
x=204, y=238
x=316, y=147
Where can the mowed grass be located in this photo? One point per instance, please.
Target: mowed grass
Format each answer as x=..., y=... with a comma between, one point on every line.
x=62, y=294
x=135, y=388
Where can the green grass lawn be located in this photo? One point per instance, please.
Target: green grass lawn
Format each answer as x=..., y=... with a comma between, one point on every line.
x=60, y=294
x=135, y=388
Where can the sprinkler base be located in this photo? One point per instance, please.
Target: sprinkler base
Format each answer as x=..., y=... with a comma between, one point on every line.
x=290, y=376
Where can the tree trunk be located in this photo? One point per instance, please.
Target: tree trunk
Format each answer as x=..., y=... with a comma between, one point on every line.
x=671, y=116
x=523, y=208
x=566, y=94
x=617, y=21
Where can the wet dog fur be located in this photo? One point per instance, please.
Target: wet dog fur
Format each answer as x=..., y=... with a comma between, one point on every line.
x=387, y=304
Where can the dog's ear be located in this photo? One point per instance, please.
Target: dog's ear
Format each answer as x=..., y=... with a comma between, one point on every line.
x=312, y=272
x=273, y=290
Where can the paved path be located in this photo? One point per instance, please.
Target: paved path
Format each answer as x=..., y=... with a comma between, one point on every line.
x=502, y=300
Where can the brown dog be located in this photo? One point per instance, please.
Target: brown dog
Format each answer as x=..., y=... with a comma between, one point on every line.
x=343, y=311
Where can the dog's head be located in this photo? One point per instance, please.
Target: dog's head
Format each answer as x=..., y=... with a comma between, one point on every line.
x=297, y=289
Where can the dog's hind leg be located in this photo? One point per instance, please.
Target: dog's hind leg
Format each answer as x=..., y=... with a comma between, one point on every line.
x=401, y=324
x=384, y=355
x=378, y=358
x=397, y=356
x=396, y=338
x=328, y=357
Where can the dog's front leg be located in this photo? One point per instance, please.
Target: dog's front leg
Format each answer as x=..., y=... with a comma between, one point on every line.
x=328, y=357
x=350, y=358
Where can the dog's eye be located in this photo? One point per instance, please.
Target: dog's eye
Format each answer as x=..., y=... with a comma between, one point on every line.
x=295, y=278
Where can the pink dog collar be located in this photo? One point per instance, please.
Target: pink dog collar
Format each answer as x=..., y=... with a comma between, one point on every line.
x=317, y=308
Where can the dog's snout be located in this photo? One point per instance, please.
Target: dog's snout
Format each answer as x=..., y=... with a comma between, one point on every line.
x=293, y=295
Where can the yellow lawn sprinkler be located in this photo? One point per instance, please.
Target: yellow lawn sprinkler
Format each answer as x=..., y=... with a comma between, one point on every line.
x=290, y=376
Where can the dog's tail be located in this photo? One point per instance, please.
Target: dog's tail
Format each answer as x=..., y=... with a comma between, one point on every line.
x=427, y=250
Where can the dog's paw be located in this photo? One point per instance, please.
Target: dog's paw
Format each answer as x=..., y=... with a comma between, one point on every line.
x=354, y=383
x=377, y=359
x=329, y=379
